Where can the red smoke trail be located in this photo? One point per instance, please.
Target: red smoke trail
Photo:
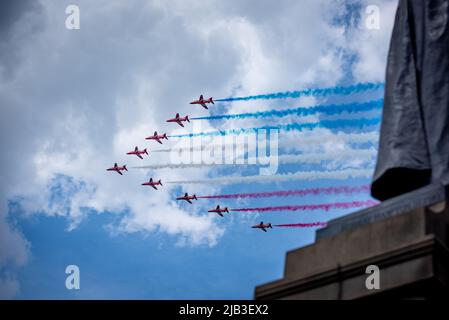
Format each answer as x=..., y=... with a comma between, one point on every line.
x=288, y=193
x=305, y=207
x=302, y=225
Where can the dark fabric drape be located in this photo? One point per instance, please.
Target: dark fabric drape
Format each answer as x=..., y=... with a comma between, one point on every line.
x=414, y=137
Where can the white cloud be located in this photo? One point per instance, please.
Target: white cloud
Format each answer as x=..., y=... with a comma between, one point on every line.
x=370, y=44
x=9, y=287
x=13, y=247
x=14, y=252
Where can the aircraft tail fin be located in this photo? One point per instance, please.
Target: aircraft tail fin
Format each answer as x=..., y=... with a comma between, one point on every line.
x=269, y=226
x=212, y=100
x=124, y=167
x=187, y=118
x=165, y=136
x=194, y=197
x=160, y=182
x=145, y=151
x=155, y=133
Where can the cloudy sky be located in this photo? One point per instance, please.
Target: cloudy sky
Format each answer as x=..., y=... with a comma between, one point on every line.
x=73, y=102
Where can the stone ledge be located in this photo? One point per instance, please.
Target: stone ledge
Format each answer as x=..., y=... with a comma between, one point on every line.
x=424, y=197
x=347, y=282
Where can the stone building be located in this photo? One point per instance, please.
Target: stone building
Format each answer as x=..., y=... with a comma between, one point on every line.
x=406, y=237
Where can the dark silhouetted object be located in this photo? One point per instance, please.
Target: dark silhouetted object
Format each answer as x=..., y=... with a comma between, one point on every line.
x=414, y=139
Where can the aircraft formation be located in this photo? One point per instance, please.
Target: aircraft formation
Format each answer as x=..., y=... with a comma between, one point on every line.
x=358, y=134
x=159, y=138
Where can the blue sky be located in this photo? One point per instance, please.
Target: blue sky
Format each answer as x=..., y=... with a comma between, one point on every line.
x=74, y=102
x=152, y=266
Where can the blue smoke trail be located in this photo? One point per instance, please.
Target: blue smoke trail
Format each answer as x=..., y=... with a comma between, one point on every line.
x=331, y=109
x=321, y=92
x=328, y=124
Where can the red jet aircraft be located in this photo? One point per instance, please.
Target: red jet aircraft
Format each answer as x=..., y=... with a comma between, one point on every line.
x=262, y=226
x=153, y=184
x=179, y=120
x=117, y=169
x=187, y=198
x=138, y=153
x=203, y=102
x=219, y=211
x=157, y=137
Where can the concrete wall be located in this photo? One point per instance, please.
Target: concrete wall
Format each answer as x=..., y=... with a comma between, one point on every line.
x=410, y=249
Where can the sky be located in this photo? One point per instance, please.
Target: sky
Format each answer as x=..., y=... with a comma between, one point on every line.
x=73, y=102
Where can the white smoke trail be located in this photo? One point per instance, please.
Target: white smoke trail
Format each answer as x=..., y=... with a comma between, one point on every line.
x=319, y=136
x=300, y=175
x=297, y=142
x=336, y=155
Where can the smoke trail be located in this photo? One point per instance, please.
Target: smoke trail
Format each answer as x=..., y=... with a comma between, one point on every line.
x=289, y=193
x=331, y=109
x=315, y=137
x=311, y=207
x=302, y=225
x=363, y=137
x=336, y=155
x=300, y=175
x=180, y=166
x=321, y=92
x=192, y=149
x=329, y=124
